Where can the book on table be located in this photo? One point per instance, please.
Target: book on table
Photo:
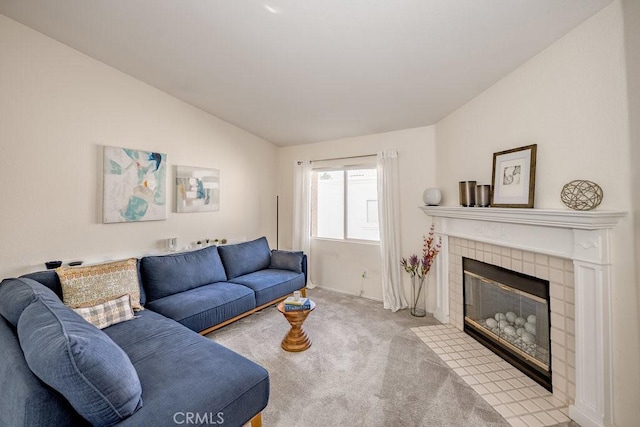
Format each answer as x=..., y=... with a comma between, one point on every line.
x=293, y=304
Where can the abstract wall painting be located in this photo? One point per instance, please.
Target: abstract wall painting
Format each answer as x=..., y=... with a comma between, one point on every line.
x=197, y=189
x=134, y=185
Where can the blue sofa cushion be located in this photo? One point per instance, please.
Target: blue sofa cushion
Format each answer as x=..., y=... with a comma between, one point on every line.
x=182, y=372
x=79, y=361
x=170, y=274
x=49, y=278
x=286, y=260
x=203, y=307
x=271, y=284
x=27, y=401
x=18, y=294
x=244, y=258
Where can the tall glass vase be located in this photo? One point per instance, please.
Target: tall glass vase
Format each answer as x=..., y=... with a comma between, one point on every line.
x=418, y=296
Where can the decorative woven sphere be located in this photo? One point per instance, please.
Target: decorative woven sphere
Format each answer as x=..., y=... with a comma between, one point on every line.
x=581, y=195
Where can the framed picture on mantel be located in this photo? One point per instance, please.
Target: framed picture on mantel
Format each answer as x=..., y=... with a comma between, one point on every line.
x=514, y=177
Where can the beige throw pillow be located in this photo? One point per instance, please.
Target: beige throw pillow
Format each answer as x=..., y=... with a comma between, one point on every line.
x=91, y=285
x=108, y=313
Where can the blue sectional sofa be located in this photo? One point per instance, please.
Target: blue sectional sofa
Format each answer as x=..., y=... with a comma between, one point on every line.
x=156, y=369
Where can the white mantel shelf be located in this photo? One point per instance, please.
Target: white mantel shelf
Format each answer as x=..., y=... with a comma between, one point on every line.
x=560, y=218
x=581, y=236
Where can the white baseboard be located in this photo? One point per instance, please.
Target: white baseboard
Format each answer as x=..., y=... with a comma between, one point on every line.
x=342, y=291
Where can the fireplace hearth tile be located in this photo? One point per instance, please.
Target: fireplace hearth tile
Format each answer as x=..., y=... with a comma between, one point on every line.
x=493, y=376
x=519, y=399
x=484, y=369
x=517, y=422
x=543, y=403
x=531, y=406
x=532, y=421
x=492, y=387
x=481, y=390
x=559, y=416
x=517, y=408
x=529, y=392
x=504, y=385
x=545, y=418
x=493, y=400
x=503, y=410
x=503, y=397
x=482, y=378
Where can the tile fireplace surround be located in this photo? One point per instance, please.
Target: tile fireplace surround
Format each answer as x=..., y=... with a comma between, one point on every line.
x=571, y=249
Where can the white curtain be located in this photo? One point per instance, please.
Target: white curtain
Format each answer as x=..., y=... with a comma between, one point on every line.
x=302, y=211
x=389, y=217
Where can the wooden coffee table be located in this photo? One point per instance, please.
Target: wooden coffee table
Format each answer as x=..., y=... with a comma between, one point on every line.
x=296, y=339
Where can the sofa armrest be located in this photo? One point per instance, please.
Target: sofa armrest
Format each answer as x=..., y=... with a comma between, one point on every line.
x=304, y=268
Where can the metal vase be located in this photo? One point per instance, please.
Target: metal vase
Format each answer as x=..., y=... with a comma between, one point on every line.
x=483, y=195
x=468, y=193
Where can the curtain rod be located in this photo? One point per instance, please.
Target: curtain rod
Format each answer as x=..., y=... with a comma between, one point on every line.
x=340, y=158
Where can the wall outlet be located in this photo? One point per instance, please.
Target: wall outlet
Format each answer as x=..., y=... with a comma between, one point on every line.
x=364, y=276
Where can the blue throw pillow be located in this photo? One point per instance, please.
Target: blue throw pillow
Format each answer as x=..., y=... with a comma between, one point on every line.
x=287, y=260
x=245, y=258
x=169, y=274
x=79, y=361
x=17, y=294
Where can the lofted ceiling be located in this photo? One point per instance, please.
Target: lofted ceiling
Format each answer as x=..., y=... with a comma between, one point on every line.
x=301, y=71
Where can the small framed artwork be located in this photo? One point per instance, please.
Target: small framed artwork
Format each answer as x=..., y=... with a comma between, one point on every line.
x=197, y=189
x=514, y=177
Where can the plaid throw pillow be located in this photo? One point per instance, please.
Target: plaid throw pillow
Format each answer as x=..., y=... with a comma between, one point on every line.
x=94, y=284
x=108, y=313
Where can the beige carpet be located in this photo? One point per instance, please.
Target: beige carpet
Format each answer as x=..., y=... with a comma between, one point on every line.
x=365, y=368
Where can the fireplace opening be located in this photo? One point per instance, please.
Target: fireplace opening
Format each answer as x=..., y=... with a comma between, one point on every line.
x=508, y=312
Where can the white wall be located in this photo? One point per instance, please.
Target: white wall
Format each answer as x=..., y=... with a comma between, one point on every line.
x=339, y=265
x=58, y=108
x=571, y=100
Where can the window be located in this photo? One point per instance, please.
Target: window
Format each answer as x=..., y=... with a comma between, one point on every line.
x=344, y=203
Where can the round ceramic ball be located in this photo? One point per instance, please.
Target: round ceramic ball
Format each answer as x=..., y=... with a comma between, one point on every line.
x=491, y=322
x=432, y=196
x=500, y=316
x=531, y=319
x=520, y=321
x=528, y=338
x=510, y=330
x=503, y=323
x=519, y=331
x=530, y=327
x=511, y=316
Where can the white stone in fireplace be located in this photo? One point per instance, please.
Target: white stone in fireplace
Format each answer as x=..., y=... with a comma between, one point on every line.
x=570, y=249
